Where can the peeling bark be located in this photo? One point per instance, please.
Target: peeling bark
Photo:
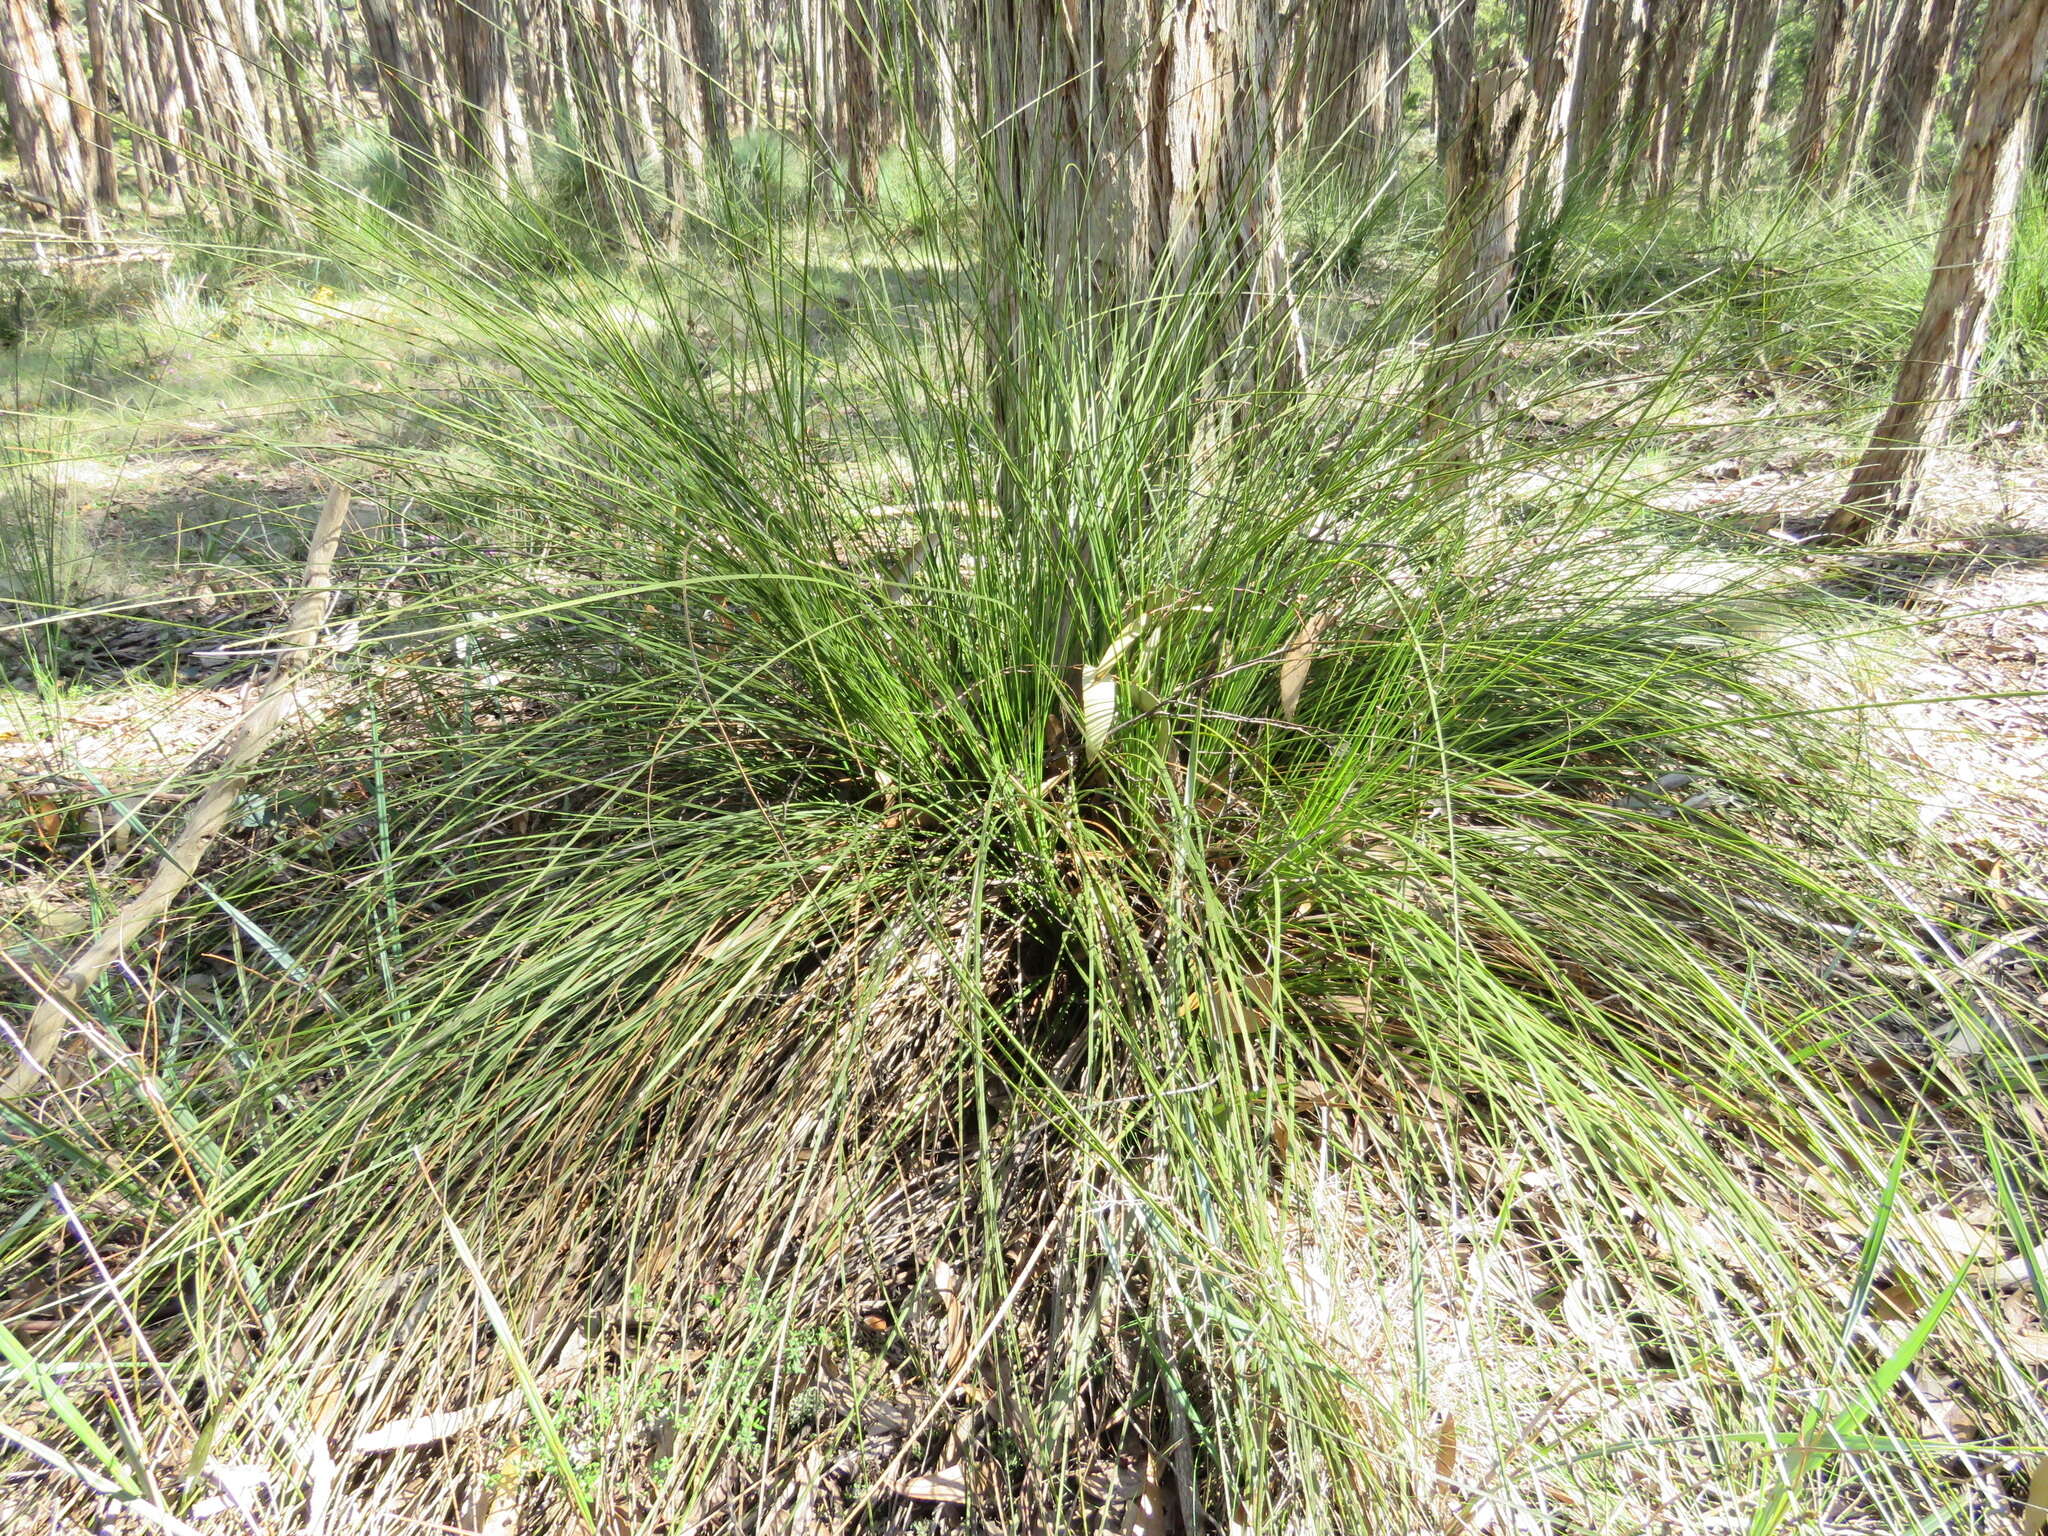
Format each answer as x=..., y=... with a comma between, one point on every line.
x=1483, y=190
x=1940, y=367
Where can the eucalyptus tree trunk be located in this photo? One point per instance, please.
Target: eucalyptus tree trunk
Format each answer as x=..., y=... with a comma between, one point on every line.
x=204, y=100
x=1711, y=101
x=610, y=137
x=153, y=55
x=292, y=62
x=146, y=88
x=1755, y=56
x=1877, y=48
x=762, y=75
x=406, y=117
x=85, y=119
x=40, y=107
x=1912, y=96
x=679, y=130
x=1940, y=366
x=706, y=56
x=1483, y=187
x=940, y=88
x=1451, y=56
x=1615, y=33
x=1813, y=131
x=1556, y=37
x=1355, y=75
x=819, y=69
x=106, y=181
x=420, y=34
x=1134, y=176
x=1681, y=30
x=485, y=104
x=862, y=118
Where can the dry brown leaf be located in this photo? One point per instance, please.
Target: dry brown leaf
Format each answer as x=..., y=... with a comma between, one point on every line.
x=1896, y=1301
x=959, y=1328
x=1588, y=1311
x=1947, y=1237
x=45, y=818
x=948, y=1485
x=1295, y=661
x=2017, y=1271
x=1143, y=1492
x=1446, y=1465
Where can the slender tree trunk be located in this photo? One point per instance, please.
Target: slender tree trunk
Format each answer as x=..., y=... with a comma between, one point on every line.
x=154, y=47
x=76, y=88
x=1555, y=45
x=707, y=59
x=1940, y=366
x=1132, y=149
x=1716, y=85
x=1913, y=95
x=405, y=108
x=144, y=87
x=1813, y=133
x=1755, y=56
x=1451, y=44
x=1354, y=72
x=1680, y=35
x=940, y=87
x=679, y=131
x=480, y=85
x=291, y=64
x=106, y=180
x=1614, y=46
x=863, y=117
x=1483, y=188
x=762, y=76
x=232, y=109
x=1877, y=48
x=420, y=35
x=608, y=126
x=40, y=106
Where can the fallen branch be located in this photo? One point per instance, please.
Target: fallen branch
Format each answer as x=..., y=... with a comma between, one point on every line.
x=203, y=821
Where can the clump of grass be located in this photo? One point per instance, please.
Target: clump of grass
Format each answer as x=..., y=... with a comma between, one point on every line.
x=1823, y=295
x=1018, y=885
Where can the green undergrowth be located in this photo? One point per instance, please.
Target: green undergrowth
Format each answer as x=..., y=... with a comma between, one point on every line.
x=1165, y=926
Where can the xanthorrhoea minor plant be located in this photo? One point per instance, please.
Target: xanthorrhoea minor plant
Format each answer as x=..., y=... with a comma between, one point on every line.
x=1002, y=947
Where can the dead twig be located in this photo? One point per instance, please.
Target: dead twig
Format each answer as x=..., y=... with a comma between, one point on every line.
x=203, y=821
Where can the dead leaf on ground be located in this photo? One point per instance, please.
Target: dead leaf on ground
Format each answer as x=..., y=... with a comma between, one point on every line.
x=948, y=1485
x=1142, y=1491
x=1446, y=1464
